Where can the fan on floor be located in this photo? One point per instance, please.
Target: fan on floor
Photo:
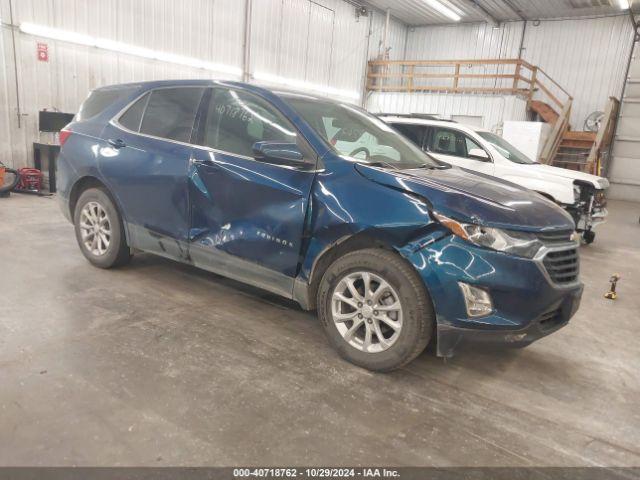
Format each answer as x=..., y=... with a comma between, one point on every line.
x=593, y=121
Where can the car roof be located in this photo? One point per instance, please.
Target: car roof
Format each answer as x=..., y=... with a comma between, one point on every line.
x=151, y=84
x=283, y=93
x=425, y=121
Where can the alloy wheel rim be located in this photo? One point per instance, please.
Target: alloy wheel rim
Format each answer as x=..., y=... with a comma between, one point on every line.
x=95, y=228
x=367, y=311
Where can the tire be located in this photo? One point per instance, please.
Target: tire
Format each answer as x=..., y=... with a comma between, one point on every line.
x=114, y=252
x=415, y=319
x=5, y=190
x=589, y=236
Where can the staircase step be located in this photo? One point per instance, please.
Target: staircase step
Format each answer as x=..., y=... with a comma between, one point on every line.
x=573, y=150
x=578, y=140
x=544, y=110
x=580, y=135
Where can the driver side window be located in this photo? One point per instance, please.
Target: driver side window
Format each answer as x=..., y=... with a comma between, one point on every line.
x=451, y=142
x=236, y=120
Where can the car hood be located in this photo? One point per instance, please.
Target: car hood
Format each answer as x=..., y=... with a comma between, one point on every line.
x=549, y=171
x=475, y=198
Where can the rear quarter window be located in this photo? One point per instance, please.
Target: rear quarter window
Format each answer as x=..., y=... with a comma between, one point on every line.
x=132, y=118
x=99, y=100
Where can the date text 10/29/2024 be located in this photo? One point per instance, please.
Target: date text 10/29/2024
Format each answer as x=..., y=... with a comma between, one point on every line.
x=304, y=473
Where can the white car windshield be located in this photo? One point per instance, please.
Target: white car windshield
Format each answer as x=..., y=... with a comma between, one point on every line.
x=507, y=150
x=354, y=133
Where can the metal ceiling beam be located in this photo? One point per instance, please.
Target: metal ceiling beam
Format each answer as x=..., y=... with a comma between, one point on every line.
x=480, y=10
x=372, y=8
x=515, y=9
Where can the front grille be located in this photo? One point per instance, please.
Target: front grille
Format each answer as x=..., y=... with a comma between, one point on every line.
x=563, y=265
x=550, y=320
x=562, y=236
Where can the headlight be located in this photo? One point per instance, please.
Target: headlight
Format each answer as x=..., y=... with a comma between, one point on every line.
x=509, y=241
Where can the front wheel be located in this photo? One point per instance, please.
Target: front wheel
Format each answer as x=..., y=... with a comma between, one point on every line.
x=99, y=230
x=588, y=236
x=375, y=309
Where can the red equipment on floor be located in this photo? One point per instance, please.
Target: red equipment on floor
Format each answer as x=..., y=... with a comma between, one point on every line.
x=30, y=180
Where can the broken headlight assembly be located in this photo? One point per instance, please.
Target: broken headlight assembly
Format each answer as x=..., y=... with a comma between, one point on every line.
x=522, y=244
x=576, y=193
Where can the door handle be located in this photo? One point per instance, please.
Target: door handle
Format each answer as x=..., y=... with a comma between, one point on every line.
x=203, y=161
x=117, y=143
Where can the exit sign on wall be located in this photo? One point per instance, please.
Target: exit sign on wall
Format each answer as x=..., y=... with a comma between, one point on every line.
x=43, y=52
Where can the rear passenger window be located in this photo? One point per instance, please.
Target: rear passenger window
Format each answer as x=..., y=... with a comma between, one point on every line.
x=415, y=133
x=236, y=120
x=171, y=112
x=133, y=116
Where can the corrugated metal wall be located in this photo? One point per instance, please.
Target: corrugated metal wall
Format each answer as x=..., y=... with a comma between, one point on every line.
x=458, y=42
x=396, y=37
x=585, y=56
x=464, y=41
x=492, y=109
x=624, y=170
x=320, y=41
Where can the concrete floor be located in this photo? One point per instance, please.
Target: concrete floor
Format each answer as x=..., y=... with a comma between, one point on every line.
x=162, y=364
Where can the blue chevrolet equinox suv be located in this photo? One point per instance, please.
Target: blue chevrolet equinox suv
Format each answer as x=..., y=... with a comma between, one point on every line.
x=320, y=202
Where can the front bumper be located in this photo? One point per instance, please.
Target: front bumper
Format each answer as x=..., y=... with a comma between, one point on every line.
x=590, y=211
x=590, y=220
x=450, y=338
x=527, y=304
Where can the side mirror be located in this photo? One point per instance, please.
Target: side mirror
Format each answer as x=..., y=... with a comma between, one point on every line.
x=478, y=154
x=278, y=153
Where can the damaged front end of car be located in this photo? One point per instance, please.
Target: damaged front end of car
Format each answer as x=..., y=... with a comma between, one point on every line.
x=589, y=209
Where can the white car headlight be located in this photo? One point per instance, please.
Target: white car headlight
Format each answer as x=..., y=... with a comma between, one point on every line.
x=522, y=244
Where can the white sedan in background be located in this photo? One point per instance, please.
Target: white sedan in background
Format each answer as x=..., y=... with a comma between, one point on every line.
x=581, y=194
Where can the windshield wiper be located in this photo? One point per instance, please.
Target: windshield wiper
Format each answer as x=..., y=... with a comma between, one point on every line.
x=429, y=166
x=379, y=163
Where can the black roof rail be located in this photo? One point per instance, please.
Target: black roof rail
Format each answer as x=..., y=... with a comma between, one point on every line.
x=423, y=116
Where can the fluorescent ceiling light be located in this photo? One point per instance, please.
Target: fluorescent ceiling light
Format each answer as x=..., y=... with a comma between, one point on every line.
x=446, y=11
x=302, y=85
x=623, y=4
x=113, y=46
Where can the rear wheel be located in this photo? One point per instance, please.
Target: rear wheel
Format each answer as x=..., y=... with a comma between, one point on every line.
x=375, y=309
x=99, y=230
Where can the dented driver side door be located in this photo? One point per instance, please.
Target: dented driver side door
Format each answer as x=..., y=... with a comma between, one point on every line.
x=247, y=215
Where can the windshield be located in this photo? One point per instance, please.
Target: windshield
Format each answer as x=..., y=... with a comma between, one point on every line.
x=354, y=133
x=505, y=149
